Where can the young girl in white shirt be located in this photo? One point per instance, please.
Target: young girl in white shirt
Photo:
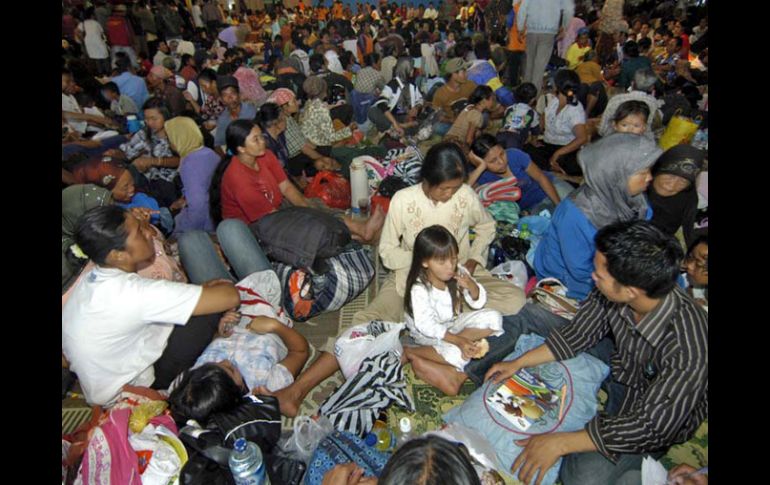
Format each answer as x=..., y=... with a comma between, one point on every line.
x=433, y=306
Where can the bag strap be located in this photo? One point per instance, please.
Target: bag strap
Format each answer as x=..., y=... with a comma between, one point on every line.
x=216, y=453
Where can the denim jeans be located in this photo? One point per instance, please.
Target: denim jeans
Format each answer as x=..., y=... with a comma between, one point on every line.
x=594, y=469
x=532, y=318
x=202, y=263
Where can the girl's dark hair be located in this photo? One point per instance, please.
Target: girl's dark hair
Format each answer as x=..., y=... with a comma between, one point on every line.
x=185, y=59
x=235, y=137
x=481, y=145
x=429, y=461
x=480, y=94
x=644, y=44
x=268, y=115
x=525, y=93
x=203, y=391
x=567, y=83
x=444, y=161
x=631, y=49
x=632, y=108
x=371, y=59
x=434, y=242
x=100, y=230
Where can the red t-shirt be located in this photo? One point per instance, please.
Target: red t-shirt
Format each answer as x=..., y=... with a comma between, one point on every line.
x=248, y=194
x=119, y=32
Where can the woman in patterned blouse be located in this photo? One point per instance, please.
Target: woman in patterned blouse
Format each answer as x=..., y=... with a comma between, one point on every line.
x=316, y=120
x=154, y=166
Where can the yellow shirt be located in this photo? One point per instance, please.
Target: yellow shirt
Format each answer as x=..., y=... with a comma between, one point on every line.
x=575, y=54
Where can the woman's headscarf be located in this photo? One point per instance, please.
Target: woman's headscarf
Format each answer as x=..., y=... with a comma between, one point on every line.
x=75, y=201
x=685, y=161
x=333, y=61
x=607, y=165
x=103, y=172
x=184, y=135
x=250, y=87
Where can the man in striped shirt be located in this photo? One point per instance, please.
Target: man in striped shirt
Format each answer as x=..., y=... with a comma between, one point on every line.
x=658, y=388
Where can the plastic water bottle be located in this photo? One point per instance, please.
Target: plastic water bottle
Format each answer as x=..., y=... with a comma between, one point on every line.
x=359, y=183
x=247, y=465
x=405, y=426
x=133, y=124
x=380, y=438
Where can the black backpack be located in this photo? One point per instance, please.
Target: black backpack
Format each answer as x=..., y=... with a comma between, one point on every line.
x=301, y=236
x=258, y=420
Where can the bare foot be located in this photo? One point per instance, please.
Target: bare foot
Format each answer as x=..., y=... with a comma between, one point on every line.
x=441, y=376
x=374, y=223
x=288, y=399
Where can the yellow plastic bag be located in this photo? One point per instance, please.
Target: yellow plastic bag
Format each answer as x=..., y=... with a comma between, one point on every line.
x=680, y=130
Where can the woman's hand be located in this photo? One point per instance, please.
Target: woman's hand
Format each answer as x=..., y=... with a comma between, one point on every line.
x=346, y=474
x=399, y=129
x=227, y=322
x=143, y=214
x=263, y=325
x=178, y=204
x=554, y=162
x=144, y=163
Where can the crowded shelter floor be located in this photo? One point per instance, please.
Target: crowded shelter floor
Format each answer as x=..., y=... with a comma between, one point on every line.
x=449, y=244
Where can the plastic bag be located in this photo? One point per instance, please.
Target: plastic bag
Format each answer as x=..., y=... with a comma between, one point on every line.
x=308, y=433
x=332, y=188
x=680, y=130
x=367, y=340
x=513, y=271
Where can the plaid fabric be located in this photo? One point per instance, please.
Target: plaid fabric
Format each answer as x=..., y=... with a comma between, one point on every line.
x=295, y=139
x=368, y=80
x=305, y=295
x=356, y=404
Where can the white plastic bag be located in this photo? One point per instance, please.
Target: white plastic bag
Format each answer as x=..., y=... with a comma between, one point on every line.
x=366, y=340
x=308, y=433
x=514, y=271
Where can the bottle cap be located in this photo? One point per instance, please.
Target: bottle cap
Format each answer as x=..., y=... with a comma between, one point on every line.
x=405, y=425
x=371, y=439
x=240, y=445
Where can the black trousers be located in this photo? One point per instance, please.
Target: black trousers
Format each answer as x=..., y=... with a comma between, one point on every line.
x=515, y=61
x=541, y=156
x=186, y=343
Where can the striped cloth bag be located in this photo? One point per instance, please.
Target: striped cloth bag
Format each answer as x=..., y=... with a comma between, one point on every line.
x=503, y=189
x=306, y=295
x=354, y=407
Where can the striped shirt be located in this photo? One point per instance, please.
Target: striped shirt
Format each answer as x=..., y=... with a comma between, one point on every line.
x=663, y=361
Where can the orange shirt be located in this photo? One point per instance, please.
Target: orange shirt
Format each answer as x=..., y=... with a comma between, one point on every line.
x=513, y=34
